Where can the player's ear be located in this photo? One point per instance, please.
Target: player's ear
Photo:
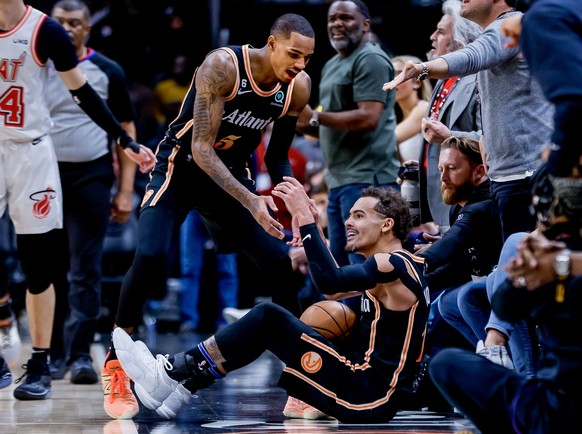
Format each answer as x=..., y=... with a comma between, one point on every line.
x=387, y=225
x=271, y=42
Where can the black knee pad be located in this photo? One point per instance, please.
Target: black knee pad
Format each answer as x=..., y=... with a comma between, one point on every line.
x=38, y=259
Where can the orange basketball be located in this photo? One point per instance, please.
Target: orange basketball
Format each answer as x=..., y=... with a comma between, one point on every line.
x=330, y=318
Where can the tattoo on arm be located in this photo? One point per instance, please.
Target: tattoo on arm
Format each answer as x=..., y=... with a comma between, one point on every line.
x=208, y=110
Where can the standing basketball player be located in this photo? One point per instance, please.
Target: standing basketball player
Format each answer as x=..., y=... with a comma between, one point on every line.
x=364, y=382
x=203, y=164
x=29, y=177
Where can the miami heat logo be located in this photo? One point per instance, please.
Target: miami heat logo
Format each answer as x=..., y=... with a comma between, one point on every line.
x=42, y=206
x=311, y=362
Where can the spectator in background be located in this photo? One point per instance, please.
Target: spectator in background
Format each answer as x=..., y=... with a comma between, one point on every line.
x=411, y=103
x=170, y=91
x=470, y=248
x=356, y=124
x=552, y=39
x=194, y=243
x=83, y=151
x=543, y=287
x=453, y=110
x=468, y=251
x=512, y=149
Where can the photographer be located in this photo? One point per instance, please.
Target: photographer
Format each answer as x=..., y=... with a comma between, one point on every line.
x=471, y=246
x=469, y=250
x=539, y=287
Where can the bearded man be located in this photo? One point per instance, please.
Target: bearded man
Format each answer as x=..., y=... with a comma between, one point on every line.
x=470, y=249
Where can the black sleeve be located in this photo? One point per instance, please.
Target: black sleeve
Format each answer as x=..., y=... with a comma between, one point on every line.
x=331, y=279
x=277, y=155
x=54, y=43
x=455, y=241
x=97, y=110
x=550, y=25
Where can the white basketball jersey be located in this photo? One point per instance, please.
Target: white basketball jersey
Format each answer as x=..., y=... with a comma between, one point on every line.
x=24, y=115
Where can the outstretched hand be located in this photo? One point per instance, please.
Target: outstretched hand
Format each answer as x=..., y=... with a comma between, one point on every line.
x=259, y=207
x=299, y=205
x=144, y=158
x=409, y=72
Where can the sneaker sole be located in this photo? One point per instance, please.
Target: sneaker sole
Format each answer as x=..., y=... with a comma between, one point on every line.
x=27, y=396
x=292, y=415
x=123, y=416
x=173, y=403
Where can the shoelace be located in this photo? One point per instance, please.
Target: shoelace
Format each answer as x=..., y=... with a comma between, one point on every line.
x=118, y=385
x=26, y=373
x=160, y=362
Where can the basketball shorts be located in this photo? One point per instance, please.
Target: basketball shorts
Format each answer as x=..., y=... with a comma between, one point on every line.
x=30, y=186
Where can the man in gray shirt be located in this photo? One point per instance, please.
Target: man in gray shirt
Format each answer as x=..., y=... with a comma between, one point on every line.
x=516, y=118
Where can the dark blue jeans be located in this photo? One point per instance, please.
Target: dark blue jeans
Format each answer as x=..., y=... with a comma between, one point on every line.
x=193, y=237
x=467, y=309
x=513, y=200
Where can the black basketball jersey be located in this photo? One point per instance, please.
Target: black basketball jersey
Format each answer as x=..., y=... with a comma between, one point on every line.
x=392, y=341
x=247, y=112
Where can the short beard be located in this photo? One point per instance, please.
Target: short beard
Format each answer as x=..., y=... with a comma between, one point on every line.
x=452, y=196
x=350, y=248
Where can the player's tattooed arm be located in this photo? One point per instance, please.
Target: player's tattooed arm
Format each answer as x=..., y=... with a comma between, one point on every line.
x=215, y=80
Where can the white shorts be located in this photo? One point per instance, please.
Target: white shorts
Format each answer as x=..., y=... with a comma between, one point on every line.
x=30, y=186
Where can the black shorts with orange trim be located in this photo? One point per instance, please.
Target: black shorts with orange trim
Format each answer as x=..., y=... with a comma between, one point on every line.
x=341, y=385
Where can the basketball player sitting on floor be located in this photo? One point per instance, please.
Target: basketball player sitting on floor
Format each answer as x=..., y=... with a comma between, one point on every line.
x=365, y=381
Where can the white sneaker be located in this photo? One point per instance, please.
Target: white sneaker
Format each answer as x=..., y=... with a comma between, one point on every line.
x=174, y=402
x=496, y=354
x=154, y=388
x=232, y=314
x=10, y=341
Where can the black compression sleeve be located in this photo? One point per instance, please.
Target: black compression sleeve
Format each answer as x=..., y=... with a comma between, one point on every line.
x=326, y=275
x=277, y=155
x=97, y=110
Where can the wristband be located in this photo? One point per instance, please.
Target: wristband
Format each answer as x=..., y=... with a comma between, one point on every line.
x=127, y=142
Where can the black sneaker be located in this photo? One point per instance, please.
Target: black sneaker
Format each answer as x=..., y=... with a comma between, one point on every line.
x=58, y=368
x=82, y=371
x=37, y=384
x=5, y=375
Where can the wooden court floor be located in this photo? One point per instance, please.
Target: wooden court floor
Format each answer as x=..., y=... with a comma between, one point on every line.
x=246, y=401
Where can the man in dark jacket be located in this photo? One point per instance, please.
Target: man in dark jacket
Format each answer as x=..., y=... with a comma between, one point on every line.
x=467, y=252
x=470, y=249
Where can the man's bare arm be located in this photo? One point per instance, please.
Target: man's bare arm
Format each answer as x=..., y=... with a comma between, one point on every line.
x=215, y=80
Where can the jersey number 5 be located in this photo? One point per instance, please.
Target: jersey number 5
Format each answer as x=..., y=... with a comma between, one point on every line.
x=12, y=106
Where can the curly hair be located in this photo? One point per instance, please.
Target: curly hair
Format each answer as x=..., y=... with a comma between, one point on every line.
x=391, y=204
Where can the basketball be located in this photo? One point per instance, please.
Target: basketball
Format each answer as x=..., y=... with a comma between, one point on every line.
x=330, y=318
